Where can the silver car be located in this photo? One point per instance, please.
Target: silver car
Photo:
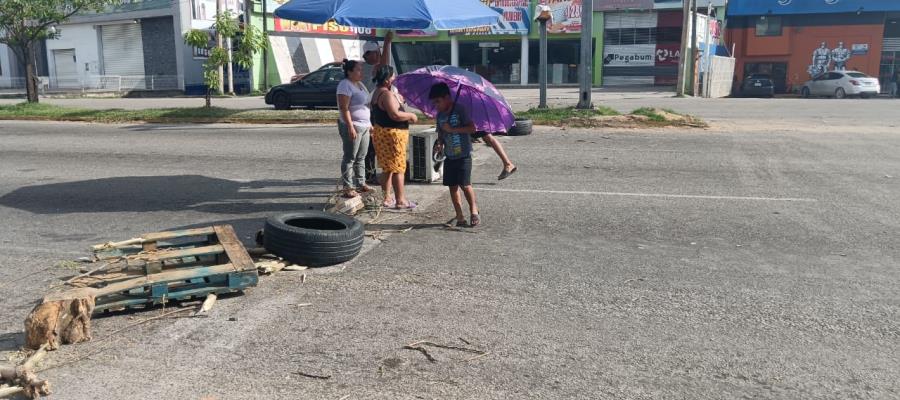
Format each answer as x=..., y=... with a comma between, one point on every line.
x=840, y=84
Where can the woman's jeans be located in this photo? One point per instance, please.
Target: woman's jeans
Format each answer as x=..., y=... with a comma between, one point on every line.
x=353, y=166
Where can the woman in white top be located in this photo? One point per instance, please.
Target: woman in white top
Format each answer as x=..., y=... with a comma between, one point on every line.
x=354, y=127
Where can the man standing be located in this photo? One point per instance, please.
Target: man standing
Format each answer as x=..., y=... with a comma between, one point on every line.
x=840, y=55
x=374, y=56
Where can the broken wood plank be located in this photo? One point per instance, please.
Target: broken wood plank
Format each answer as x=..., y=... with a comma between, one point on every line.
x=348, y=206
x=180, y=253
x=237, y=254
x=11, y=391
x=207, y=304
x=157, y=236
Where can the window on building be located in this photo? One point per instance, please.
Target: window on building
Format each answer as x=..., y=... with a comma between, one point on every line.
x=768, y=25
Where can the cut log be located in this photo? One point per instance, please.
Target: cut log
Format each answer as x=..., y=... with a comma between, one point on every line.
x=24, y=378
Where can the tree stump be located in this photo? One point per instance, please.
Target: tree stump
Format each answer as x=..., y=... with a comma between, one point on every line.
x=59, y=321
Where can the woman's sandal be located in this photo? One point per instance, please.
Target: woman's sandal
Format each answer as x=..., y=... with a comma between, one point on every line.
x=475, y=220
x=410, y=205
x=389, y=203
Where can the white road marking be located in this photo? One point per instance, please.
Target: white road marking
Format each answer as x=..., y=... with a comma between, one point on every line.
x=657, y=195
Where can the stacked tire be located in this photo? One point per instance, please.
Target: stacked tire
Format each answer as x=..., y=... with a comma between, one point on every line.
x=313, y=238
x=521, y=127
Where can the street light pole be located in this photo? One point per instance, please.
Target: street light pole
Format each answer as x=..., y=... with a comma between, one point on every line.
x=587, y=60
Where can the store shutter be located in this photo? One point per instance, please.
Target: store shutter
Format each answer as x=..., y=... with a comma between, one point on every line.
x=123, y=53
x=630, y=48
x=891, y=44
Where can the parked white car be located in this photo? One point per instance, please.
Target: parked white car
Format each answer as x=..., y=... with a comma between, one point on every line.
x=840, y=84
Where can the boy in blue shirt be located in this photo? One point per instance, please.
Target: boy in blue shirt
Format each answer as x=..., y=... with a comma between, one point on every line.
x=455, y=131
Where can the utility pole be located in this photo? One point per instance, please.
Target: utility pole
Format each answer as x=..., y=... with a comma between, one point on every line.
x=695, y=55
x=219, y=44
x=681, y=86
x=230, y=67
x=708, y=51
x=587, y=59
x=265, y=29
x=543, y=15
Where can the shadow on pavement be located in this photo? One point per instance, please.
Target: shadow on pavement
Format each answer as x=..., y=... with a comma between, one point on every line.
x=12, y=341
x=171, y=193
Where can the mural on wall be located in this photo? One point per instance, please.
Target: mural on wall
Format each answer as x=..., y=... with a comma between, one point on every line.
x=566, y=16
x=825, y=59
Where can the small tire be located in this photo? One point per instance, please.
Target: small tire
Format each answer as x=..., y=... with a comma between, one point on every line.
x=839, y=93
x=281, y=101
x=805, y=93
x=521, y=127
x=314, y=238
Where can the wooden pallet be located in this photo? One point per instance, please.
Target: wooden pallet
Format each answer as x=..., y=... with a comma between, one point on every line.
x=140, y=273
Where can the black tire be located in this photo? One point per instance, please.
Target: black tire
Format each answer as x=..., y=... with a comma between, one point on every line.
x=839, y=93
x=521, y=127
x=314, y=238
x=864, y=95
x=281, y=101
x=805, y=92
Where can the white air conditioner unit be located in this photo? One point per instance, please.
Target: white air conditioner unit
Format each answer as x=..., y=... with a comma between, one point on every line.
x=422, y=167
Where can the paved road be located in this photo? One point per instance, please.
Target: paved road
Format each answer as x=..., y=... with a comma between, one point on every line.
x=756, y=259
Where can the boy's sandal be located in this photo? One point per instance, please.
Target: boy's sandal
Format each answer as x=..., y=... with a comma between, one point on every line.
x=475, y=220
x=364, y=189
x=350, y=193
x=410, y=205
x=461, y=223
x=505, y=174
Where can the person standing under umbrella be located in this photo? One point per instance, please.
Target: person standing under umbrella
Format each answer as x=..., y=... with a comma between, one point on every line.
x=391, y=136
x=353, y=126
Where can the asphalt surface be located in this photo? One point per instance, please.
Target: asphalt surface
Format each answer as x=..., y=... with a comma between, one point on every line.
x=755, y=259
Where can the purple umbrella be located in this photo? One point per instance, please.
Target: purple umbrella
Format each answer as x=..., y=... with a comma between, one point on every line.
x=486, y=106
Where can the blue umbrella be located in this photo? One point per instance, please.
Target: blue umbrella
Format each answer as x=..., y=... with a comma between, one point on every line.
x=391, y=14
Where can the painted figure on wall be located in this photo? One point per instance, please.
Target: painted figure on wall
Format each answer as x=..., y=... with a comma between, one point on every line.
x=840, y=55
x=820, y=59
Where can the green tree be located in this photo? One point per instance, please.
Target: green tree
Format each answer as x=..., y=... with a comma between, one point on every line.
x=25, y=23
x=251, y=41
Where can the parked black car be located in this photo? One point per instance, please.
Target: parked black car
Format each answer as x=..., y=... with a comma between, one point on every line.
x=758, y=85
x=316, y=89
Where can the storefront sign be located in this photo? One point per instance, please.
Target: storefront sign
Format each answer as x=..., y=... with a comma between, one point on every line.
x=515, y=19
x=566, y=16
x=489, y=44
x=638, y=55
x=612, y=5
x=668, y=54
x=764, y=7
x=330, y=28
x=860, y=49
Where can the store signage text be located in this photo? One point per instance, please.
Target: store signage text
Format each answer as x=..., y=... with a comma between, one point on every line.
x=630, y=55
x=330, y=28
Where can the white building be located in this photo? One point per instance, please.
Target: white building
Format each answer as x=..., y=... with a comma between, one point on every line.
x=137, y=45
